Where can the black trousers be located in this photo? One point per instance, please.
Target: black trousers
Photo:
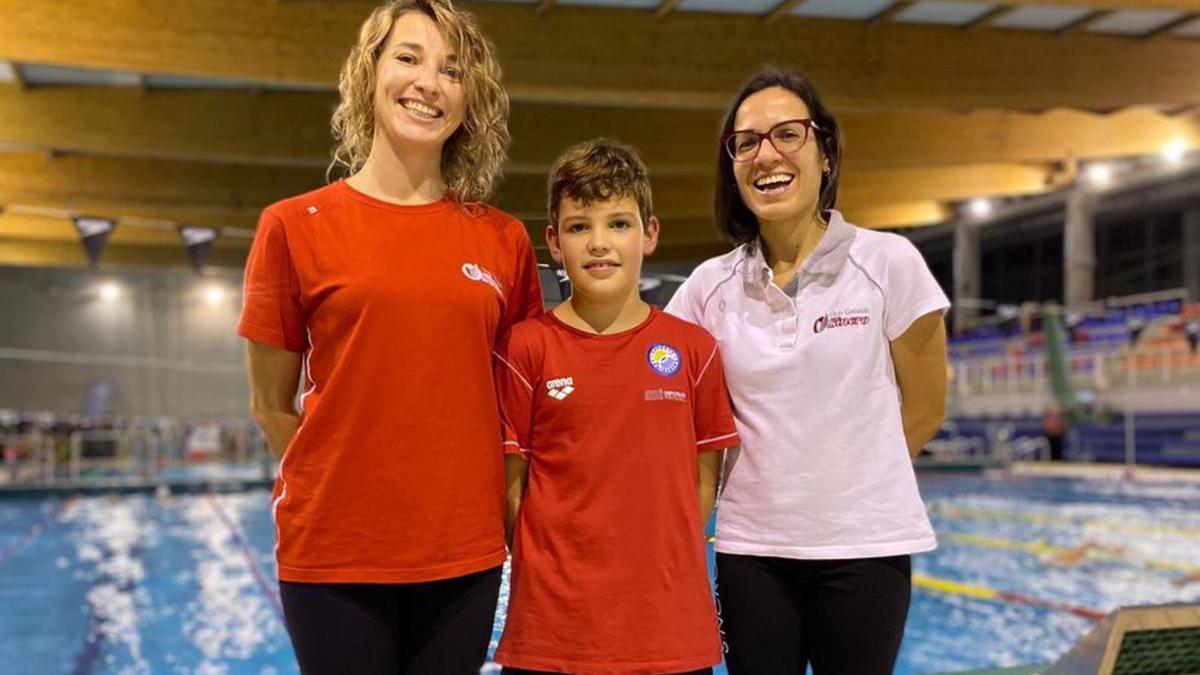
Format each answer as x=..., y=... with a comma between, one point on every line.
x=432, y=628
x=842, y=617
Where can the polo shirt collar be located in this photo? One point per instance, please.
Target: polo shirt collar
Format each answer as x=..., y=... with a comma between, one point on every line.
x=827, y=259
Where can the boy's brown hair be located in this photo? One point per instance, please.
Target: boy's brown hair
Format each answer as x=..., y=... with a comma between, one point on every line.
x=599, y=170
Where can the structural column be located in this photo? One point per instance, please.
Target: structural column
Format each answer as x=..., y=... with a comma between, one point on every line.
x=1079, y=248
x=1191, y=253
x=968, y=281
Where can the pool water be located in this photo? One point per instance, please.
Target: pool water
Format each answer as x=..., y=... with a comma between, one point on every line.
x=186, y=584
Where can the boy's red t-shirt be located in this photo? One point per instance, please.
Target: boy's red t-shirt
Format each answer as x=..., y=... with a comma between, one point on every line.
x=609, y=567
x=394, y=475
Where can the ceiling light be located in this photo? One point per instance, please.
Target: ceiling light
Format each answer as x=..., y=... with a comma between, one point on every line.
x=109, y=291
x=1099, y=174
x=980, y=208
x=214, y=294
x=1175, y=151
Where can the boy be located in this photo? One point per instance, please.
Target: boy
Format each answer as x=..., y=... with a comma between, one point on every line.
x=617, y=416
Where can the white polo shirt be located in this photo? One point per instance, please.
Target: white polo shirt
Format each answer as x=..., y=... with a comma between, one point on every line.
x=824, y=470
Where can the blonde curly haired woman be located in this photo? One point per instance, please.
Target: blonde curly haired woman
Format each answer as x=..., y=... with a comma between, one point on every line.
x=387, y=291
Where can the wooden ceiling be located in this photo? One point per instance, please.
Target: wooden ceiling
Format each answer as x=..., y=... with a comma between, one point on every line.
x=225, y=105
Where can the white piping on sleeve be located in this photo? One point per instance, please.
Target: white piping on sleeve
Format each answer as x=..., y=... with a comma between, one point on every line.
x=706, y=365
x=515, y=371
x=717, y=438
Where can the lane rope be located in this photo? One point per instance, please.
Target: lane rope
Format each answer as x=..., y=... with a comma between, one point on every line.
x=1041, y=548
x=37, y=529
x=984, y=593
x=959, y=512
x=239, y=540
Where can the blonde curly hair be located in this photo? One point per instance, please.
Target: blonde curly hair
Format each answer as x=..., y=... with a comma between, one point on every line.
x=473, y=156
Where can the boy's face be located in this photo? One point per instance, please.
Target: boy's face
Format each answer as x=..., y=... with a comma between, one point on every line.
x=601, y=245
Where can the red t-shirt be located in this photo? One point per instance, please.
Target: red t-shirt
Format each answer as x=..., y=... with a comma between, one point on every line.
x=395, y=474
x=609, y=572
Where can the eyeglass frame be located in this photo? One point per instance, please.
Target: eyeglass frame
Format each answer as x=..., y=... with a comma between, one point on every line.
x=807, y=122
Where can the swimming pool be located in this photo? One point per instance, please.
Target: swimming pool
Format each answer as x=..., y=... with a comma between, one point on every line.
x=185, y=584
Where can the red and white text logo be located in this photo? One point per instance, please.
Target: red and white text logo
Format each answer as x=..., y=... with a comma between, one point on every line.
x=842, y=318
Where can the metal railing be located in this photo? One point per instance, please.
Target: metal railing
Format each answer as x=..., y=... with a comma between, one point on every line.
x=139, y=454
x=1096, y=370
x=1095, y=307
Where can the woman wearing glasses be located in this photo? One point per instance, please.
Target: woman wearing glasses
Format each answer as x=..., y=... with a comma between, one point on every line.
x=835, y=356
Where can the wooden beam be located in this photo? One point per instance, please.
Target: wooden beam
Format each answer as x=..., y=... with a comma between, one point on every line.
x=910, y=214
x=82, y=182
x=691, y=197
x=890, y=216
x=666, y=7
x=215, y=193
x=781, y=10
x=1165, y=29
x=1110, y=5
x=51, y=242
x=148, y=196
x=18, y=76
x=225, y=196
x=223, y=126
x=873, y=188
x=889, y=13
x=990, y=136
x=984, y=20
x=18, y=225
x=22, y=252
x=622, y=57
x=1078, y=26
x=291, y=129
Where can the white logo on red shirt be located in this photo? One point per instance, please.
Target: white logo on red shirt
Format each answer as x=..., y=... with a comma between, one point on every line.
x=477, y=273
x=560, y=388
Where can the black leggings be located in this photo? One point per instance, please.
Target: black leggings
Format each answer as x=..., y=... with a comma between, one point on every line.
x=435, y=628
x=508, y=670
x=841, y=616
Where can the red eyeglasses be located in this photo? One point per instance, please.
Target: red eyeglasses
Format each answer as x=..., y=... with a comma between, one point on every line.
x=786, y=137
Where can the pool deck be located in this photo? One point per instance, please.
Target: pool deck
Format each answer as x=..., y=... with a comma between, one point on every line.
x=1017, y=670
x=135, y=486
x=1104, y=472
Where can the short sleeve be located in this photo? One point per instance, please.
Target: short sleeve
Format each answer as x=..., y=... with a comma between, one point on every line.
x=911, y=291
x=514, y=392
x=686, y=304
x=713, y=412
x=272, y=313
x=524, y=300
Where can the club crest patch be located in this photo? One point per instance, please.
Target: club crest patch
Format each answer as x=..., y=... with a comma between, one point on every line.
x=663, y=359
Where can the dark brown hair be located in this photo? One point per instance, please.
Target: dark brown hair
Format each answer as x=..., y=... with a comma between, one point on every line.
x=599, y=170
x=735, y=220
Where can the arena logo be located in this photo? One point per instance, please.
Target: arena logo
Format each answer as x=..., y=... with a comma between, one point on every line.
x=858, y=316
x=560, y=388
x=478, y=273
